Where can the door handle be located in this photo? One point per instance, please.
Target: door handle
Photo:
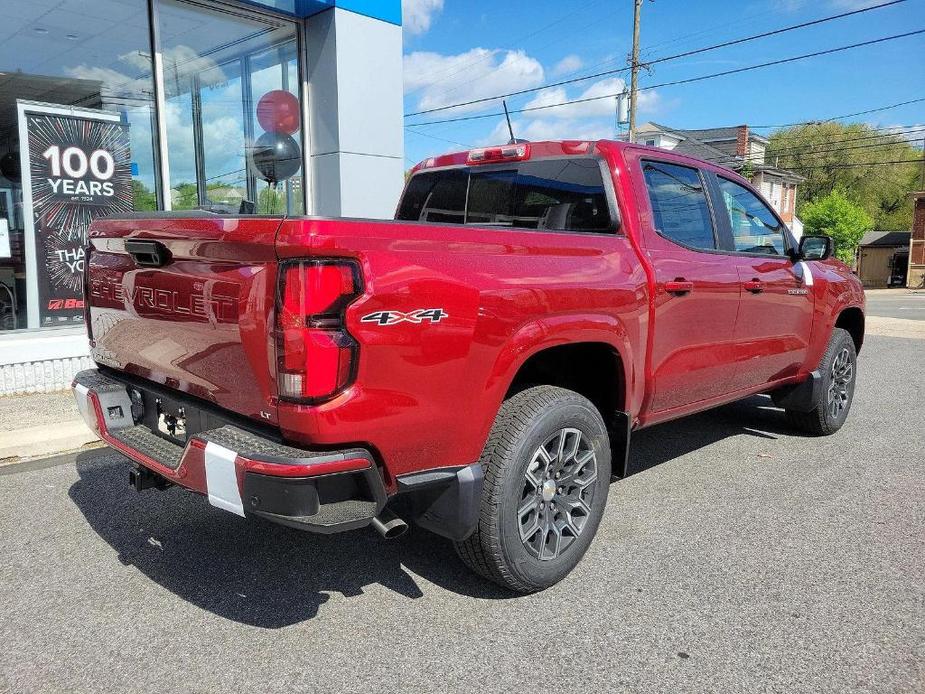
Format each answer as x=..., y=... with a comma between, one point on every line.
x=679, y=286
x=754, y=286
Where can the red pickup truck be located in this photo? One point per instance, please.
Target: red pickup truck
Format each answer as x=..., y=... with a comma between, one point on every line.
x=475, y=366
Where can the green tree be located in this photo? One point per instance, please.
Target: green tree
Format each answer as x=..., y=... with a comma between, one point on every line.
x=828, y=154
x=271, y=200
x=837, y=216
x=185, y=196
x=143, y=199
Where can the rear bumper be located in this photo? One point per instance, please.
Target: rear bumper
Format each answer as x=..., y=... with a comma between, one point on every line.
x=239, y=471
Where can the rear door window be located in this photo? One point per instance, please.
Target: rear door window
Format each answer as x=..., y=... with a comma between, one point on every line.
x=554, y=194
x=680, y=209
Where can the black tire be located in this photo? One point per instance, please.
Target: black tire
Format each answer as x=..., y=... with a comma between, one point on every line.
x=527, y=421
x=828, y=416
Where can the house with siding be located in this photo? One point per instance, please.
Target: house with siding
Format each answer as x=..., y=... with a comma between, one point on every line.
x=736, y=148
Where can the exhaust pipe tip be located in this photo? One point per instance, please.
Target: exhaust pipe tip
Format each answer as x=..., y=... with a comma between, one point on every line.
x=389, y=525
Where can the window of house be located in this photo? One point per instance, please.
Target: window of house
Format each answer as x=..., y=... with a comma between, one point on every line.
x=650, y=143
x=679, y=204
x=755, y=229
x=555, y=194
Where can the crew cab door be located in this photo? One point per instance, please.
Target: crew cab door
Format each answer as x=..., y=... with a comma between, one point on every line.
x=776, y=309
x=697, y=286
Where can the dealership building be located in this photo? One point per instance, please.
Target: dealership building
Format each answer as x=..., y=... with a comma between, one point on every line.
x=140, y=105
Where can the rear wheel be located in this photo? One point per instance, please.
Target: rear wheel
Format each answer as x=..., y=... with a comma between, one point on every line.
x=547, y=474
x=839, y=374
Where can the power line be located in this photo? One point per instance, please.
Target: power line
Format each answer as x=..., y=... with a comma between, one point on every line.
x=685, y=54
x=847, y=115
x=898, y=136
x=879, y=147
x=677, y=39
x=435, y=137
x=813, y=149
x=854, y=165
x=688, y=80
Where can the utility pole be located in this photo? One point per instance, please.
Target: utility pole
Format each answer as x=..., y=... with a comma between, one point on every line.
x=634, y=68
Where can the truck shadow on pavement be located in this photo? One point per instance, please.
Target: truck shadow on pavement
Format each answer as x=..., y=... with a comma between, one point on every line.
x=269, y=576
x=755, y=416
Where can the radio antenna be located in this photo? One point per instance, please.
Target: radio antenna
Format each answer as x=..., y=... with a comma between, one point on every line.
x=510, y=129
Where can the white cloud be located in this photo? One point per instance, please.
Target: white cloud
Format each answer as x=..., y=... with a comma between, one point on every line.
x=648, y=101
x=569, y=63
x=442, y=80
x=539, y=129
x=417, y=15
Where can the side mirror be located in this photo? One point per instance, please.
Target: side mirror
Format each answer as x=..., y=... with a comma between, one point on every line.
x=814, y=248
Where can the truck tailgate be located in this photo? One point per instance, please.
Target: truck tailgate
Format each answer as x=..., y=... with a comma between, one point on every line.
x=188, y=302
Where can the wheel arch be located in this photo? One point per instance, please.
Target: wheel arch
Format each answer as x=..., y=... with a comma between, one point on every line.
x=851, y=319
x=592, y=369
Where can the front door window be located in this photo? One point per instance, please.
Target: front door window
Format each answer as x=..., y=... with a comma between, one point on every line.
x=755, y=229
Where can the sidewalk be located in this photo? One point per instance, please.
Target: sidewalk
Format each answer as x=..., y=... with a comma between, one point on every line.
x=894, y=327
x=34, y=426
x=893, y=291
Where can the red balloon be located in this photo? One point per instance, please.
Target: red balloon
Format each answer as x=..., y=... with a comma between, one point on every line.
x=278, y=112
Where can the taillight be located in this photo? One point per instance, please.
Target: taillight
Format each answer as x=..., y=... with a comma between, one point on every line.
x=316, y=356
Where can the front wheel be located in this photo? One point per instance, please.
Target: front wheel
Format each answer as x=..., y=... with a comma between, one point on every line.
x=547, y=474
x=839, y=374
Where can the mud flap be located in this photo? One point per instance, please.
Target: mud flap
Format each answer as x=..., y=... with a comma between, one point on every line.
x=620, y=445
x=800, y=397
x=446, y=501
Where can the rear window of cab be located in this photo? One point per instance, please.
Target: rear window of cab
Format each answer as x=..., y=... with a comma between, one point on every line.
x=552, y=194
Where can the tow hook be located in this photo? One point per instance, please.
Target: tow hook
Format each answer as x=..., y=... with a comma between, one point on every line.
x=142, y=478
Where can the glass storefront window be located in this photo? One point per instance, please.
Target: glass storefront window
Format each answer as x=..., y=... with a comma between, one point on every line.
x=90, y=55
x=218, y=61
x=217, y=66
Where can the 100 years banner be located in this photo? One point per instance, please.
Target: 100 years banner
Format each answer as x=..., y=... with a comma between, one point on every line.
x=79, y=169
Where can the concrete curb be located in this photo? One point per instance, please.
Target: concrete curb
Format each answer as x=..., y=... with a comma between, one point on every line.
x=44, y=440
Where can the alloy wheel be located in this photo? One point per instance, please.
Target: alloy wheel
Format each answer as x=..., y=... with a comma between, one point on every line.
x=838, y=393
x=558, y=490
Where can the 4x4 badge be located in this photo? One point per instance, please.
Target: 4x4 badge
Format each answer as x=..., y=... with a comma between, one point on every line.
x=434, y=315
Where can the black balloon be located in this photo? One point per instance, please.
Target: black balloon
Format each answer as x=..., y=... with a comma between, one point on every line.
x=276, y=156
x=9, y=166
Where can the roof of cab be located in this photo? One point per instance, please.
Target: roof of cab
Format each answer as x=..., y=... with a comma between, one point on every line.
x=558, y=148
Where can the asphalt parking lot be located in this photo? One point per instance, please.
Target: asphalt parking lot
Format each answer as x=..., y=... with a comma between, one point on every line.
x=740, y=557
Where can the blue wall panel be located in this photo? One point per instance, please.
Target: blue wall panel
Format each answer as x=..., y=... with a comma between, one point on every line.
x=386, y=10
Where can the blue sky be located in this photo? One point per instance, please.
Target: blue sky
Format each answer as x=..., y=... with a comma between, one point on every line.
x=458, y=50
